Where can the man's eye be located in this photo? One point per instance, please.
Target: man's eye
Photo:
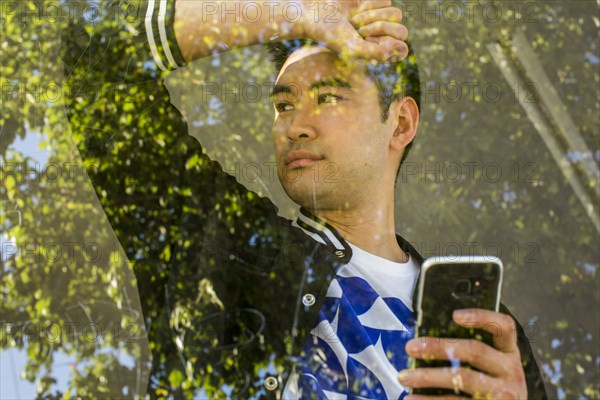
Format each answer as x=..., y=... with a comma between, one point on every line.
x=281, y=107
x=329, y=98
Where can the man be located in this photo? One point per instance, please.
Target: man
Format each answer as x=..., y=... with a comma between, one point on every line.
x=317, y=308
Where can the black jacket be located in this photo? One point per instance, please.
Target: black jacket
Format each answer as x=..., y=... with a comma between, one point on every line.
x=221, y=276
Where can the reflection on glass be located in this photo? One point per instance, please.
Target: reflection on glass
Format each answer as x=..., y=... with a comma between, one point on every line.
x=111, y=289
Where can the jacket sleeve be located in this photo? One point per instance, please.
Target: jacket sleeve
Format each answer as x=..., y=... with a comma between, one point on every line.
x=123, y=40
x=204, y=249
x=535, y=384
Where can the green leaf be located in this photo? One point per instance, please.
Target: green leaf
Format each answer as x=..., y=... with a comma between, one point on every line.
x=175, y=378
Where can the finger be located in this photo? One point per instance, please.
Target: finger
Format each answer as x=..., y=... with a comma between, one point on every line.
x=501, y=326
x=380, y=28
x=391, y=14
x=464, y=380
x=379, y=39
x=423, y=397
x=470, y=351
x=366, y=5
x=389, y=41
x=356, y=46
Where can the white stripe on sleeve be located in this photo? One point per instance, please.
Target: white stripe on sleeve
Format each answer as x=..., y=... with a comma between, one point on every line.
x=150, y=35
x=163, y=33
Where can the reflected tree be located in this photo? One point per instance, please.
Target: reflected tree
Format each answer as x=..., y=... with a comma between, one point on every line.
x=106, y=272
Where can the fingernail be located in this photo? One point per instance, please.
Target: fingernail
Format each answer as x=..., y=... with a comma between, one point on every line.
x=462, y=315
x=394, y=58
x=393, y=55
x=404, y=376
x=412, y=345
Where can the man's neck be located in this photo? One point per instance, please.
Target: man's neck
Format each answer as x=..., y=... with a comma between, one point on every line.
x=372, y=230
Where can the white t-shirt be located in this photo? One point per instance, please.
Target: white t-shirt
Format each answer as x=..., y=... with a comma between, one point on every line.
x=357, y=347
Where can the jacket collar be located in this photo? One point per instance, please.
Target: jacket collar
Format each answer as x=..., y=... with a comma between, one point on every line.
x=318, y=229
x=322, y=232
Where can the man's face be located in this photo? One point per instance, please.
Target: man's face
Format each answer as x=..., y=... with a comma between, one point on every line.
x=332, y=148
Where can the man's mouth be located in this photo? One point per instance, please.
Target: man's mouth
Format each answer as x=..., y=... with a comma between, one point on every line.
x=301, y=159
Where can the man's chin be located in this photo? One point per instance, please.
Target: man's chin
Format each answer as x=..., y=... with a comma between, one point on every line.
x=305, y=194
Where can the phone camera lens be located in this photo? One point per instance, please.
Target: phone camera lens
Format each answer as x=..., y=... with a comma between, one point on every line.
x=462, y=287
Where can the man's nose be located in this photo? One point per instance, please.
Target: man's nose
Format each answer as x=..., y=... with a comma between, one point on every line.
x=302, y=125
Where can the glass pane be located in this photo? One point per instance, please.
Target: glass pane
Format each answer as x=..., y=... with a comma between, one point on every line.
x=149, y=248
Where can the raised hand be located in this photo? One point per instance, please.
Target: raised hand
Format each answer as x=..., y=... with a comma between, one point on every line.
x=369, y=29
x=364, y=29
x=500, y=374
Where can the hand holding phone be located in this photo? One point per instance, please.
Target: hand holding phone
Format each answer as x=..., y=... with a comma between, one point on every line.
x=492, y=370
x=447, y=285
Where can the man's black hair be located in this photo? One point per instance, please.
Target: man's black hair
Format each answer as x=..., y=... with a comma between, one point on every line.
x=394, y=80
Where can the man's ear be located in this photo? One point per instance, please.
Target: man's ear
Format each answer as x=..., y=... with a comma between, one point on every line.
x=404, y=114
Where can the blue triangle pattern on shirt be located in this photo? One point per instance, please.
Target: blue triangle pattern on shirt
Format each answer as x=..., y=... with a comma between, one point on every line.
x=310, y=388
x=373, y=333
x=362, y=382
x=322, y=370
x=329, y=309
x=351, y=332
x=363, y=296
x=404, y=314
x=325, y=365
x=393, y=343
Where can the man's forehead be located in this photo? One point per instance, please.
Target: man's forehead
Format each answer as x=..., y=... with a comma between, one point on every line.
x=307, y=51
x=314, y=62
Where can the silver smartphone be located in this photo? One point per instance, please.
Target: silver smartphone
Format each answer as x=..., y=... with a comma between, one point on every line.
x=450, y=283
